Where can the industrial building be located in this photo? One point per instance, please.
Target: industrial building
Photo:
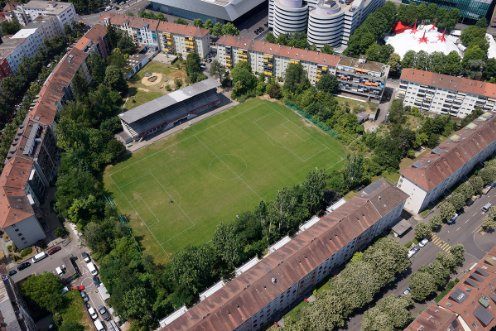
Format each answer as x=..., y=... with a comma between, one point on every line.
x=357, y=76
x=170, y=110
x=170, y=38
x=444, y=94
x=431, y=176
x=32, y=161
x=215, y=10
x=264, y=288
x=327, y=22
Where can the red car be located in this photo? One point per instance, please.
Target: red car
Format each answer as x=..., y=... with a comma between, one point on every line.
x=53, y=250
x=78, y=288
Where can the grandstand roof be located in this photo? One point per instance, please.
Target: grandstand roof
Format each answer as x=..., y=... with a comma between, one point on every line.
x=168, y=100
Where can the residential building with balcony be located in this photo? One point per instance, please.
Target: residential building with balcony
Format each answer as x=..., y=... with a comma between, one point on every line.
x=355, y=76
x=432, y=176
x=262, y=289
x=444, y=94
x=63, y=12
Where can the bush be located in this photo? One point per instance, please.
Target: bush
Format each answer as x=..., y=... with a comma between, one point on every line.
x=26, y=251
x=422, y=231
x=60, y=232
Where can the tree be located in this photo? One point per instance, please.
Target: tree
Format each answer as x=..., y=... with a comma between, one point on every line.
x=436, y=223
x=488, y=174
x=422, y=285
x=457, y=199
x=446, y=210
x=296, y=79
x=198, y=23
x=244, y=81
x=328, y=84
x=327, y=49
x=489, y=225
x=9, y=27
x=422, y=231
x=217, y=70
x=96, y=65
x=466, y=190
x=394, y=62
x=274, y=90
x=230, y=28
x=216, y=29
x=44, y=291
x=458, y=254
x=326, y=313
x=193, y=67
x=114, y=79
x=390, y=313
x=477, y=183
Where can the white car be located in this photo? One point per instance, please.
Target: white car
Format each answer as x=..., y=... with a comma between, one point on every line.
x=92, y=313
x=423, y=242
x=413, y=251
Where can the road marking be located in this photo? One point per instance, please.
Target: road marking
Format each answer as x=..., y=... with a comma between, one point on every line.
x=440, y=243
x=458, y=228
x=467, y=221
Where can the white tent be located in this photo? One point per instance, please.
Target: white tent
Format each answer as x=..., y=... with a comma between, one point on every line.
x=425, y=38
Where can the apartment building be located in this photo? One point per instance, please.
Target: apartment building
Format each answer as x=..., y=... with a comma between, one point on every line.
x=63, y=12
x=444, y=94
x=26, y=43
x=264, y=288
x=470, y=305
x=432, y=175
x=13, y=310
x=171, y=38
x=355, y=76
x=327, y=22
x=32, y=161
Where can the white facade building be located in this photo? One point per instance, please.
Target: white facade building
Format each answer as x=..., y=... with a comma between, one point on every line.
x=265, y=288
x=431, y=176
x=64, y=12
x=444, y=94
x=326, y=21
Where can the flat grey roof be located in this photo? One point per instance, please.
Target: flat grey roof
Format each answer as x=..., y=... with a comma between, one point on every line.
x=402, y=227
x=168, y=100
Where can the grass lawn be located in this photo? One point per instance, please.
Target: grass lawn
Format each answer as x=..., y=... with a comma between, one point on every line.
x=75, y=311
x=141, y=92
x=177, y=190
x=356, y=105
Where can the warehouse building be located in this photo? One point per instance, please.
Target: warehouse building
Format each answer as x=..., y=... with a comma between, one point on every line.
x=265, y=288
x=170, y=110
x=215, y=10
x=444, y=94
x=432, y=175
x=357, y=76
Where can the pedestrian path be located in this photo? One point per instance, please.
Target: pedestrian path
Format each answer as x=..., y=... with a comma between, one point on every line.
x=440, y=243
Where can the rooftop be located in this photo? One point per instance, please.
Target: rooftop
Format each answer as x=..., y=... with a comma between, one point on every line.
x=474, y=297
x=9, y=45
x=432, y=169
x=52, y=7
x=168, y=100
x=362, y=64
x=23, y=33
x=451, y=83
x=435, y=318
x=244, y=295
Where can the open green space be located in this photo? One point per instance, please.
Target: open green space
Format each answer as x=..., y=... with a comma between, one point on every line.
x=177, y=190
x=141, y=90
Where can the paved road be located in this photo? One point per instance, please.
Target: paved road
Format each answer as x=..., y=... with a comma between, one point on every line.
x=465, y=231
x=133, y=6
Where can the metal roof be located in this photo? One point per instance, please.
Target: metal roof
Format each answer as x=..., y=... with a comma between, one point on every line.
x=483, y=315
x=168, y=100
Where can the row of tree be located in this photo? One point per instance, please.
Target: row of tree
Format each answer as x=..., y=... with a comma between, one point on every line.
x=298, y=40
x=380, y=264
x=218, y=29
x=426, y=281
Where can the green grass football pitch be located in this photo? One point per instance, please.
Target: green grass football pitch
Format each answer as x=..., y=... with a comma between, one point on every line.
x=177, y=190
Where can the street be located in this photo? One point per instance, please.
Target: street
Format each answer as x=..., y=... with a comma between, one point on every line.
x=132, y=6
x=465, y=231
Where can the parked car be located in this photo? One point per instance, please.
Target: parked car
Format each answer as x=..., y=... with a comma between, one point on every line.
x=486, y=207
x=452, y=220
x=92, y=313
x=103, y=311
x=65, y=289
x=406, y=291
x=84, y=296
x=96, y=281
x=423, y=242
x=413, y=251
x=40, y=256
x=12, y=272
x=78, y=288
x=53, y=250
x=86, y=257
x=23, y=265
x=92, y=268
x=487, y=189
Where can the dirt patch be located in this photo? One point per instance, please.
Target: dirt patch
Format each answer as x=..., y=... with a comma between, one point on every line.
x=154, y=79
x=143, y=89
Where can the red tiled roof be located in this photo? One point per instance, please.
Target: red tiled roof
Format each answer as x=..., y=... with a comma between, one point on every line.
x=435, y=318
x=14, y=205
x=94, y=36
x=479, y=283
x=446, y=82
x=279, y=50
x=155, y=25
x=432, y=169
x=247, y=294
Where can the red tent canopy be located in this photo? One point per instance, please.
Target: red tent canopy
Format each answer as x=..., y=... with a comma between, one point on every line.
x=400, y=27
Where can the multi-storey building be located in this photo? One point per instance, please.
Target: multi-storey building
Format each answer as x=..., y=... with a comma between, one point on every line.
x=432, y=175
x=355, y=76
x=470, y=9
x=169, y=37
x=264, y=288
x=444, y=94
x=469, y=306
x=327, y=22
x=26, y=43
x=63, y=12
x=31, y=164
x=13, y=311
